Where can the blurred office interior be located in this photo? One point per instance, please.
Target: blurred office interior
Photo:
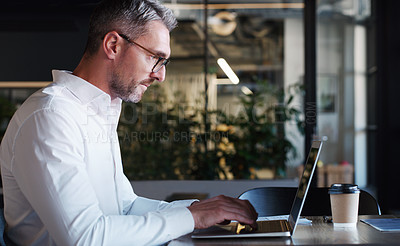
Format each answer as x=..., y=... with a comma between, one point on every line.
x=342, y=55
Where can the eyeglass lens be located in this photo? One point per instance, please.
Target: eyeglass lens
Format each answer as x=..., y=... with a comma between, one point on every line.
x=161, y=60
x=159, y=64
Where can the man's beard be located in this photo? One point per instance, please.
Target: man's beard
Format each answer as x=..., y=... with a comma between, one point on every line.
x=131, y=92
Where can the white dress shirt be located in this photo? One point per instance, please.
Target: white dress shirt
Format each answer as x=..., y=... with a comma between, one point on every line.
x=62, y=174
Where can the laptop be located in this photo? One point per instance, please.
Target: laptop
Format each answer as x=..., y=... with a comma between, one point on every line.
x=271, y=228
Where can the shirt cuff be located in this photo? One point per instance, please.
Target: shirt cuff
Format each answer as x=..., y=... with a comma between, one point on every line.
x=180, y=221
x=183, y=203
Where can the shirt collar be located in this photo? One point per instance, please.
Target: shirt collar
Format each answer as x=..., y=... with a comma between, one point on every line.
x=82, y=89
x=88, y=94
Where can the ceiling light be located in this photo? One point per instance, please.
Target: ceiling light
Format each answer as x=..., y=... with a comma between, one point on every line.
x=228, y=70
x=246, y=90
x=223, y=23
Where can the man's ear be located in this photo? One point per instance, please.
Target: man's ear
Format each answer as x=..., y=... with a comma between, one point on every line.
x=111, y=44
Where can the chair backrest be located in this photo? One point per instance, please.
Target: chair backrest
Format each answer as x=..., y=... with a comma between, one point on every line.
x=2, y=221
x=2, y=227
x=269, y=201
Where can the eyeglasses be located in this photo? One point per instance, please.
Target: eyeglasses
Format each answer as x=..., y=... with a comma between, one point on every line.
x=161, y=61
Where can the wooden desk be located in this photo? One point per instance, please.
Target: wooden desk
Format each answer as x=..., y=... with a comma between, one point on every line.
x=319, y=233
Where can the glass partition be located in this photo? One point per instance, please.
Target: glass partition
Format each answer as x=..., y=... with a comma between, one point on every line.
x=341, y=83
x=244, y=119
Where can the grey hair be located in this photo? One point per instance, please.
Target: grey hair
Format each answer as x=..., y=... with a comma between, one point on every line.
x=127, y=16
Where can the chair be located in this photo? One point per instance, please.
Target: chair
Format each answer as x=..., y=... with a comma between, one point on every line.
x=2, y=228
x=2, y=222
x=270, y=201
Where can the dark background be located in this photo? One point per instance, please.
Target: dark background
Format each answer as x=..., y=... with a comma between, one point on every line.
x=384, y=113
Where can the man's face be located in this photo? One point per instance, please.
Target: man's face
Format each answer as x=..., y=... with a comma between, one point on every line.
x=132, y=73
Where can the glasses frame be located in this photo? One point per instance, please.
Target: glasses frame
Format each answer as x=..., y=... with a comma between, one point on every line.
x=164, y=61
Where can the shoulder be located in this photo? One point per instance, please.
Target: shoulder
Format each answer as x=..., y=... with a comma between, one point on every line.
x=54, y=99
x=48, y=109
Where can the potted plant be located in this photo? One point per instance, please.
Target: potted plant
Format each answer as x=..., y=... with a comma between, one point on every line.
x=259, y=140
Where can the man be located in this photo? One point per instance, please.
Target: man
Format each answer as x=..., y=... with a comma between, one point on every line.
x=62, y=174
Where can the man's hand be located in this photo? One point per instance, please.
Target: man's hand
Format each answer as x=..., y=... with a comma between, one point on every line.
x=222, y=209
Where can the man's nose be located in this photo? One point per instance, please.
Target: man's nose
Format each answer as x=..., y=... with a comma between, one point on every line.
x=160, y=74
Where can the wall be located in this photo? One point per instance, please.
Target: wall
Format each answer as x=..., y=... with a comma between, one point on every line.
x=387, y=117
x=293, y=73
x=162, y=189
x=33, y=44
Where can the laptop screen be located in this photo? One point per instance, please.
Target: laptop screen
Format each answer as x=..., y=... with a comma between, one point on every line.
x=304, y=184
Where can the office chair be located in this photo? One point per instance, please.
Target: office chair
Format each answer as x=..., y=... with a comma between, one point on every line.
x=270, y=201
x=2, y=222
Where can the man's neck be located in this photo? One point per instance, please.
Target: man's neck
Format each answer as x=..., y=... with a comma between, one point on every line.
x=94, y=71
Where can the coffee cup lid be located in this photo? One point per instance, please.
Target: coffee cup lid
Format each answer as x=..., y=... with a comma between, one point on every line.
x=343, y=188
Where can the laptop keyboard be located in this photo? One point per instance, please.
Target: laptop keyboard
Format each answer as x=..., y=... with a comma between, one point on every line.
x=263, y=227
x=272, y=226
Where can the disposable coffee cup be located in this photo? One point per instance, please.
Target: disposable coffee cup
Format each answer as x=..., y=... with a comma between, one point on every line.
x=344, y=204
